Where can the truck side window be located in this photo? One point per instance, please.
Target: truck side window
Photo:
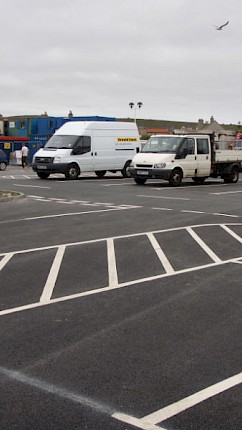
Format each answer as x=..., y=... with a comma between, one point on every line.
x=202, y=146
x=82, y=146
x=187, y=148
x=190, y=146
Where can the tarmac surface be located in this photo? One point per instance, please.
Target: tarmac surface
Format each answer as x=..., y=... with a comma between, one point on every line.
x=120, y=305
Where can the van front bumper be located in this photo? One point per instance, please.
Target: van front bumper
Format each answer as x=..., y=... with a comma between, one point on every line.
x=50, y=167
x=150, y=173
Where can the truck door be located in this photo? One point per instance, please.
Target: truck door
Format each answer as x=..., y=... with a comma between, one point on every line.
x=203, y=157
x=187, y=157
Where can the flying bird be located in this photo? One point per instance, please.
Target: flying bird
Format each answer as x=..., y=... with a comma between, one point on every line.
x=221, y=26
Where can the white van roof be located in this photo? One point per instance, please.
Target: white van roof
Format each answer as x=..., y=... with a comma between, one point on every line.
x=76, y=127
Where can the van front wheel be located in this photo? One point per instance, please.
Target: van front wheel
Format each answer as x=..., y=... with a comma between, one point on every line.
x=72, y=171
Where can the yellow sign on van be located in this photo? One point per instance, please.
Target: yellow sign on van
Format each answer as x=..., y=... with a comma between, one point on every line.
x=126, y=139
x=7, y=145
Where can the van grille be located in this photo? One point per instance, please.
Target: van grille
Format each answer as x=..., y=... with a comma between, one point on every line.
x=44, y=160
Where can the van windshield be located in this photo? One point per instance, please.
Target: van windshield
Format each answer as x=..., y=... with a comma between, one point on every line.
x=162, y=144
x=62, y=142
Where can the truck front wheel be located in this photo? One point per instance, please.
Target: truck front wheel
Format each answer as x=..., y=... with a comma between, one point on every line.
x=43, y=175
x=176, y=178
x=140, y=181
x=72, y=171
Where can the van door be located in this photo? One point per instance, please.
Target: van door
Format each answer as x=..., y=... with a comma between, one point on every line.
x=82, y=154
x=203, y=157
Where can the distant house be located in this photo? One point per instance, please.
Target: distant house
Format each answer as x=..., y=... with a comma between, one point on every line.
x=224, y=136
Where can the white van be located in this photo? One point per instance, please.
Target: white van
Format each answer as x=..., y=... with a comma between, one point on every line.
x=88, y=146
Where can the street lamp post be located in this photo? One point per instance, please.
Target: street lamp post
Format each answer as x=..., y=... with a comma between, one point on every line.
x=132, y=106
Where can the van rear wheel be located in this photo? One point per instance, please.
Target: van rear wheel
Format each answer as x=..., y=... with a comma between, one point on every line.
x=100, y=173
x=125, y=170
x=72, y=171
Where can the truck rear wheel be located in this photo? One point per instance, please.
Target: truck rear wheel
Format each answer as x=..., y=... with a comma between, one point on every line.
x=140, y=181
x=100, y=173
x=72, y=171
x=176, y=178
x=233, y=177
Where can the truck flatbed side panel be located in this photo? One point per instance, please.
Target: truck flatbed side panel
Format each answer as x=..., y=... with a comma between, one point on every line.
x=228, y=155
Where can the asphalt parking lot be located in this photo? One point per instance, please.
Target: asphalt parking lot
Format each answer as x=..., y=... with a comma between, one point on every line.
x=120, y=305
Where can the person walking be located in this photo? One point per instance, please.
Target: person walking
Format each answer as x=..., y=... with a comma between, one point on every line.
x=25, y=152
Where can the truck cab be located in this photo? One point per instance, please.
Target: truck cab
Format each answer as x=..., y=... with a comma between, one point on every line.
x=173, y=157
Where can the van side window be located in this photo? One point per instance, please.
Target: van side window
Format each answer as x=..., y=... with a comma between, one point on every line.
x=202, y=146
x=82, y=146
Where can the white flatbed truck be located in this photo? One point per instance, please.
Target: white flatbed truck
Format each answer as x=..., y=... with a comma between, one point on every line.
x=174, y=157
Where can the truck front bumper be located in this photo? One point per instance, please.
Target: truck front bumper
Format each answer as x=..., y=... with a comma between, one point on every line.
x=150, y=173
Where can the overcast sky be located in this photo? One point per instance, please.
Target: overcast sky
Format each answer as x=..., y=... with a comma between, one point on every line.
x=95, y=56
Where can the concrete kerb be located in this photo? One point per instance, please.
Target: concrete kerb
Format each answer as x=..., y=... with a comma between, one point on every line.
x=6, y=196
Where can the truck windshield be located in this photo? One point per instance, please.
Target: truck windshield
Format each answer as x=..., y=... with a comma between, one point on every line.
x=61, y=141
x=162, y=144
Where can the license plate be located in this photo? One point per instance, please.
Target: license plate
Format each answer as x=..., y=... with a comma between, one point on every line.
x=142, y=172
x=41, y=167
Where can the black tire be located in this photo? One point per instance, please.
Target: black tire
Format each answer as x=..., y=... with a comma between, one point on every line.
x=125, y=170
x=72, y=171
x=198, y=180
x=233, y=177
x=3, y=166
x=43, y=175
x=176, y=178
x=100, y=173
x=140, y=181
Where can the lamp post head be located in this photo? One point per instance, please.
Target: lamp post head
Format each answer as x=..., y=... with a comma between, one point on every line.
x=139, y=104
x=131, y=105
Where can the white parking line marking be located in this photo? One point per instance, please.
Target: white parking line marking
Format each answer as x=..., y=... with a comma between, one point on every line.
x=112, y=268
x=161, y=255
x=5, y=260
x=192, y=212
x=228, y=215
x=232, y=233
x=136, y=422
x=163, y=209
x=74, y=213
x=226, y=192
x=30, y=186
x=162, y=197
x=190, y=401
x=203, y=245
x=54, y=271
x=55, y=390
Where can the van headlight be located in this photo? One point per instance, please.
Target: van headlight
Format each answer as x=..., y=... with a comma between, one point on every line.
x=159, y=166
x=57, y=159
x=131, y=164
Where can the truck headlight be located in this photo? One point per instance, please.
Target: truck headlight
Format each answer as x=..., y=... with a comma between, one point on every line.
x=57, y=159
x=159, y=166
x=131, y=164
